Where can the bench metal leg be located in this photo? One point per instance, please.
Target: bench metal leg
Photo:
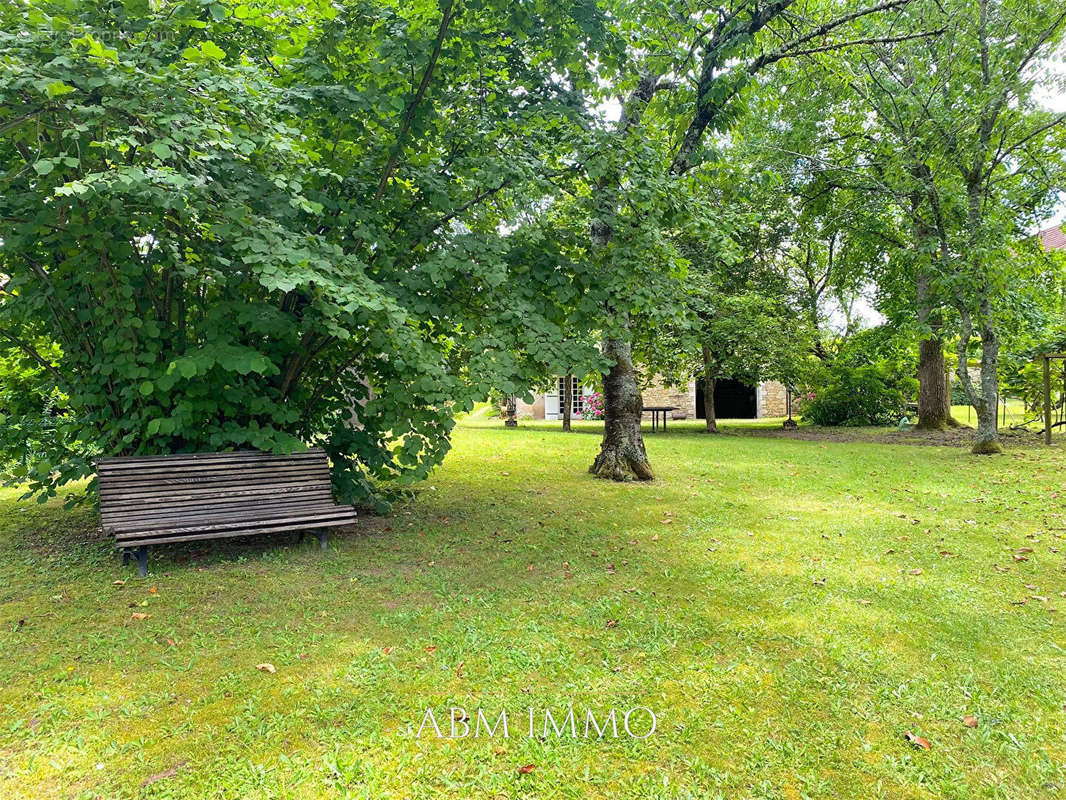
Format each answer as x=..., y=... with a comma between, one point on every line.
x=142, y=560
x=321, y=538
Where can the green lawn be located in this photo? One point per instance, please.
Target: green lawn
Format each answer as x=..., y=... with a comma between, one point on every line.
x=789, y=609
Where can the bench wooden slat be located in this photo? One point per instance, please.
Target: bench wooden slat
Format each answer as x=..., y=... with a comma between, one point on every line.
x=147, y=538
x=200, y=505
x=156, y=499
x=215, y=515
x=208, y=494
x=180, y=493
x=214, y=471
x=119, y=462
x=249, y=521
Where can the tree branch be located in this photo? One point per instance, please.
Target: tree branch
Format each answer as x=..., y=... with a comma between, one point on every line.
x=36, y=356
x=409, y=113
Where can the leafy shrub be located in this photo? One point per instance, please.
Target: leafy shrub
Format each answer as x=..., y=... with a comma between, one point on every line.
x=866, y=395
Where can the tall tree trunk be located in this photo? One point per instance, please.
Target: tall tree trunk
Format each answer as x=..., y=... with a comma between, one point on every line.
x=568, y=401
x=934, y=390
x=708, y=390
x=934, y=393
x=987, y=439
x=983, y=398
x=622, y=455
x=622, y=452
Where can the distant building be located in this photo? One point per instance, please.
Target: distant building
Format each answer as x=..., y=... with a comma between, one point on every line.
x=1053, y=238
x=732, y=400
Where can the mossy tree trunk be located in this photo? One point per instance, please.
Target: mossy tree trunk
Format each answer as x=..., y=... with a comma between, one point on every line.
x=622, y=455
x=984, y=397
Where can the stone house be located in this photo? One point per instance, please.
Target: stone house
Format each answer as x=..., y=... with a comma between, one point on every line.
x=732, y=400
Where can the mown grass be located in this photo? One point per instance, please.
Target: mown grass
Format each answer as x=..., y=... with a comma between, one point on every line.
x=767, y=602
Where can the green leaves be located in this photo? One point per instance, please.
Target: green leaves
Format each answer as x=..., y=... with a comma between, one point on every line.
x=58, y=89
x=205, y=51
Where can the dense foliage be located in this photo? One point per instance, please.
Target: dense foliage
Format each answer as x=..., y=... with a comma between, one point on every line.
x=227, y=230
x=874, y=394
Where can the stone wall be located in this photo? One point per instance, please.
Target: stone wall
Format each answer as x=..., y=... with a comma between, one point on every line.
x=773, y=399
x=659, y=394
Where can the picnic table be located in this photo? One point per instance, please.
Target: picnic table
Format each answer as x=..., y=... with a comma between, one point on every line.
x=656, y=411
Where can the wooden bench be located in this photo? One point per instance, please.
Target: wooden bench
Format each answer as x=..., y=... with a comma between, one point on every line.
x=146, y=500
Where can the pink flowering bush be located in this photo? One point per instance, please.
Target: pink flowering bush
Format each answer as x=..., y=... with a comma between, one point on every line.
x=592, y=407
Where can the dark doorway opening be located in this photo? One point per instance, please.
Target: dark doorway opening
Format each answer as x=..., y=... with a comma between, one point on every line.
x=732, y=400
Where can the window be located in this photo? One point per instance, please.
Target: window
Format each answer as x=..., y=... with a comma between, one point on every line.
x=578, y=396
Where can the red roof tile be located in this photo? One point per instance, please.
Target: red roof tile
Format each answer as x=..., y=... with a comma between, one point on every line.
x=1053, y=238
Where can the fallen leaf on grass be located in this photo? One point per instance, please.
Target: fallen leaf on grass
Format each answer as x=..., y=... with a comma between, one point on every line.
x=118, y=583
x=818, y=581
x=612, y=623
x=1024, y=550
x=915, y=571
x=918, y=741
x=948, y=554
x=998, y=568
x=459, y=670
x=431, y=648
x=266, y=667
x=152, y=590
x=667, y=521
x=1017, y=557
x=386, y=650
x=610, y=569
x=970, y=721
x=138, y=615
x=528, y=768
x=167, y=773
x=655, y=538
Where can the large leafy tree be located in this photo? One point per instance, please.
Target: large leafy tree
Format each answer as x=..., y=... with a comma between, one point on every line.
x=268, y=230
x=682, y=78
x=948, y=129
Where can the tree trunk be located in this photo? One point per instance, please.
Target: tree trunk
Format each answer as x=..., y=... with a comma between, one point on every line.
x=934, y=388
x=985, y=398
x=934, y=393
x=987, y=439
x=622, y=455
x=568, y=401
x=949, y=420
x=708, y=391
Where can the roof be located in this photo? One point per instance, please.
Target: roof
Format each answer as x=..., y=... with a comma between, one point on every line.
x=1053, y=238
